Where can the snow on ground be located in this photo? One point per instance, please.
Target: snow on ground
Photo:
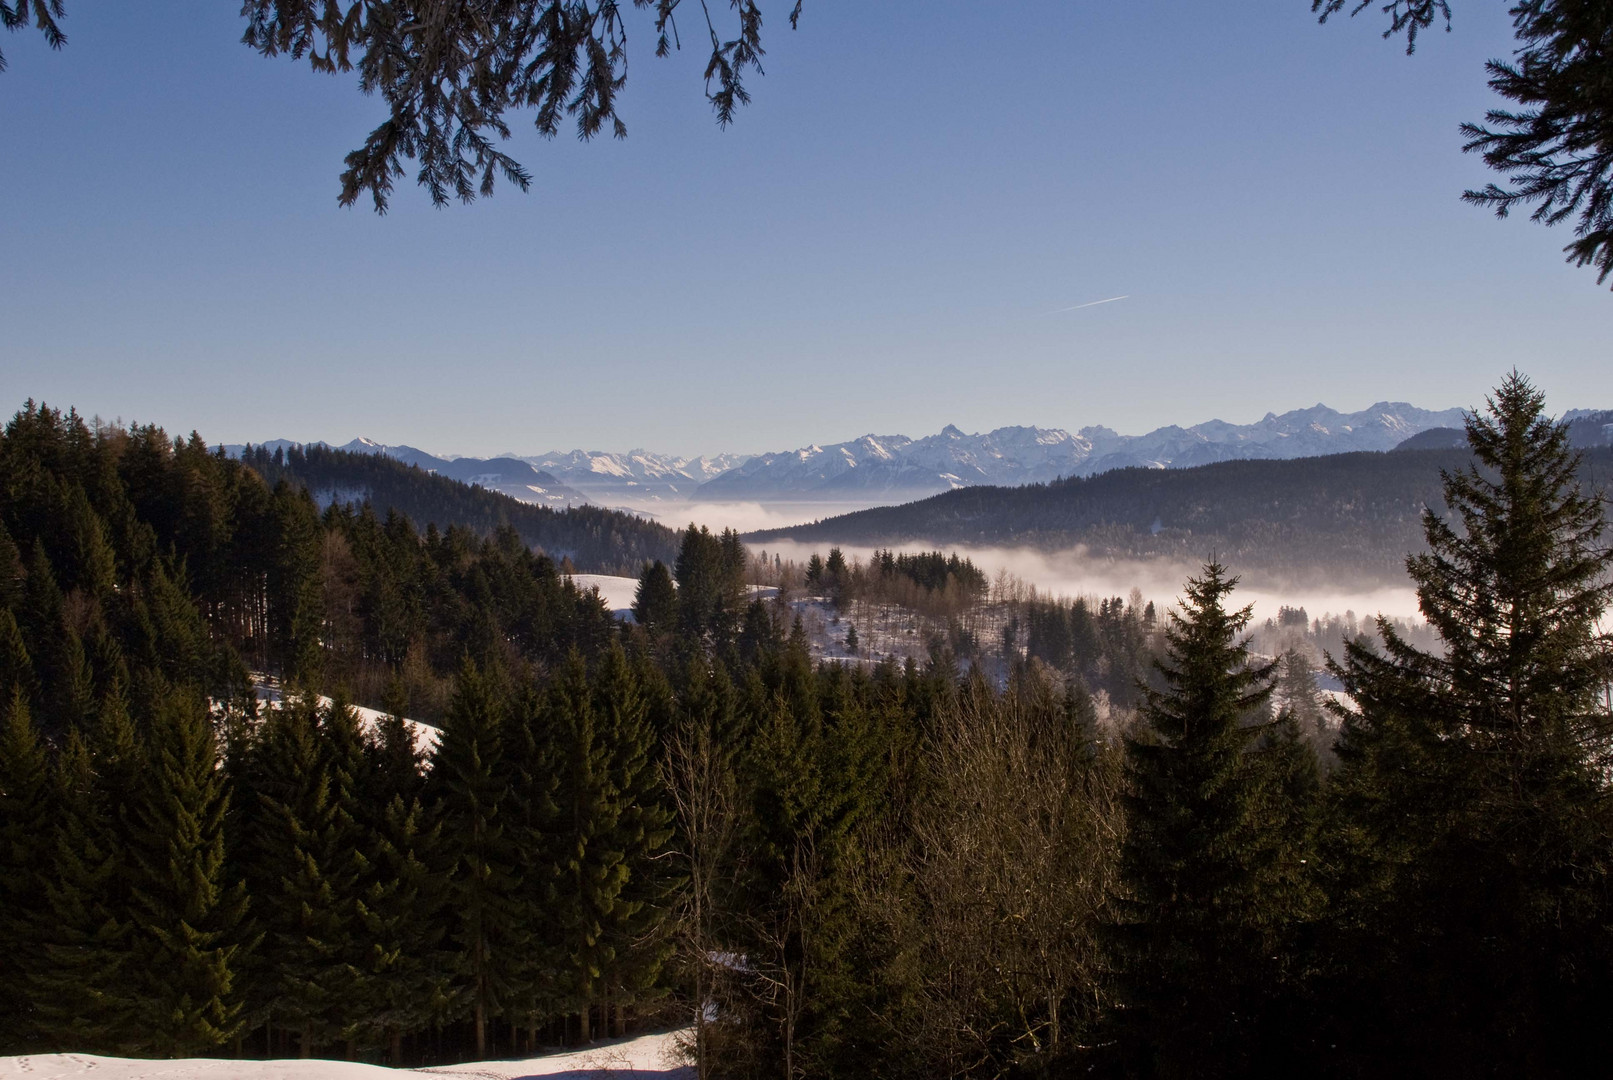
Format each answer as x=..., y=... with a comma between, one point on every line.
x=648, y=1057
x=617, y=592
x=425, y=735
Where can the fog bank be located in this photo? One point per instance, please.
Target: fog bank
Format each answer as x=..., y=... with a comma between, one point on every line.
x=1077, y=572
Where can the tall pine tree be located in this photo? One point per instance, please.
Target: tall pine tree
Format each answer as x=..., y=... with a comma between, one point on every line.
x=1471, y=823
x=1213, y=865
x=186, y=915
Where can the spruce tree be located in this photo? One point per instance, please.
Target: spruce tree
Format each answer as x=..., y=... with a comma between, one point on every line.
x=592, y=860
x=408, y=970
x=1214, y=874
x=532, y=761
x=78, y=991
x=655, y=603
x=1470, y=819
x=304, y=881
x=16, y=669
x=11, y=584
x=27, y=812
x=186, y=915
x=470, y=789
x=640, y=831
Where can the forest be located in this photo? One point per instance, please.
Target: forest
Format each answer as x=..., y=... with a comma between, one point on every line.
x=595, y=540
x=1147, y=846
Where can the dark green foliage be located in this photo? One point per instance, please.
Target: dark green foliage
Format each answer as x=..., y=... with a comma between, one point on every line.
x=711, y=585
x=565, y=60
x=306, y=878
x=16, y=669
x=81, y=993
x=185, y=914
x=639, y=827
x=1553, y=145
x=1215, y=854
x=596, y=540
x=929, y=569
x=1472, y=831
x=471, y=797
x=11, y=573
x=655, y=604
x=27, y=811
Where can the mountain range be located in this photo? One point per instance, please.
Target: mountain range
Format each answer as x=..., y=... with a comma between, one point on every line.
x=891, y=468
x=897, y=467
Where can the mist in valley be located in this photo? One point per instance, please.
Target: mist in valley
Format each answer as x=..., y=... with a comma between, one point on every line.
x=1076, y=572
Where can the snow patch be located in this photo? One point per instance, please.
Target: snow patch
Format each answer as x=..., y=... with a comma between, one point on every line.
x=647, y=1057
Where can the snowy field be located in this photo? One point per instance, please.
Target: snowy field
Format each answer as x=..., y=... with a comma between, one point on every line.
x=648, y=1057
x=425, y=735
x=617, y=592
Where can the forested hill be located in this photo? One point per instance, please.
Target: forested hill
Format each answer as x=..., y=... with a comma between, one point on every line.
x=596, y=540
x=1344, y=518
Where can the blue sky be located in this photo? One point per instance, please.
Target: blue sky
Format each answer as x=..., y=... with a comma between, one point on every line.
x=879, y=244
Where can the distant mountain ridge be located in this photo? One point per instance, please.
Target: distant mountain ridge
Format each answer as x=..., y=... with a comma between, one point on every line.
x=1009, y=456
x=636, y=476
x=896, y=468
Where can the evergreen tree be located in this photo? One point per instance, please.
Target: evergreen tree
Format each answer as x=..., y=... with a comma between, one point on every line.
x=186, y=916
x=470, y=791
x=302, y=879
x=16, y=669
x=26, y=816
x=80, y=993
x=1214, y=872
x=592, y=860
x=655, y=603
x=11, y=583
x=640, y=831
x=1471, y=826
x=406, y=969
x=532, y=761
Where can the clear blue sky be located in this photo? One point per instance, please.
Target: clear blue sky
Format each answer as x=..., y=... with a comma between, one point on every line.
x=876, y=246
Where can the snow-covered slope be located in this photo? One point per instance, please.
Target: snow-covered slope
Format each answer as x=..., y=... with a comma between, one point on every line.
x=637, y=476
x=648, y=1057
x=883, y=468
x=899, y=466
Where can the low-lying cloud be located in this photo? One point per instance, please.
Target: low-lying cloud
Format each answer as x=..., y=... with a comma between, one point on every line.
x=1078, y=572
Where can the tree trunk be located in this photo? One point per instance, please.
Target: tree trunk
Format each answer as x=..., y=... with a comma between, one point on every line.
x=583, y=1035
x=481, y=1029
x=305, y=1045
x=395, y=1051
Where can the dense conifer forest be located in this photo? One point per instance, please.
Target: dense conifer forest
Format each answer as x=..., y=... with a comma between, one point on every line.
x=869, y=869
x=594, y=540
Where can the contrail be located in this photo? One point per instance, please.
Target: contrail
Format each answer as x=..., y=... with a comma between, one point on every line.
x=1089, y=303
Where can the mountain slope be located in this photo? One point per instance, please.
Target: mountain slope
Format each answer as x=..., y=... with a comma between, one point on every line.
x=635, y=476
x=1340, y=519
x=505, y=475
x=597, y=540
